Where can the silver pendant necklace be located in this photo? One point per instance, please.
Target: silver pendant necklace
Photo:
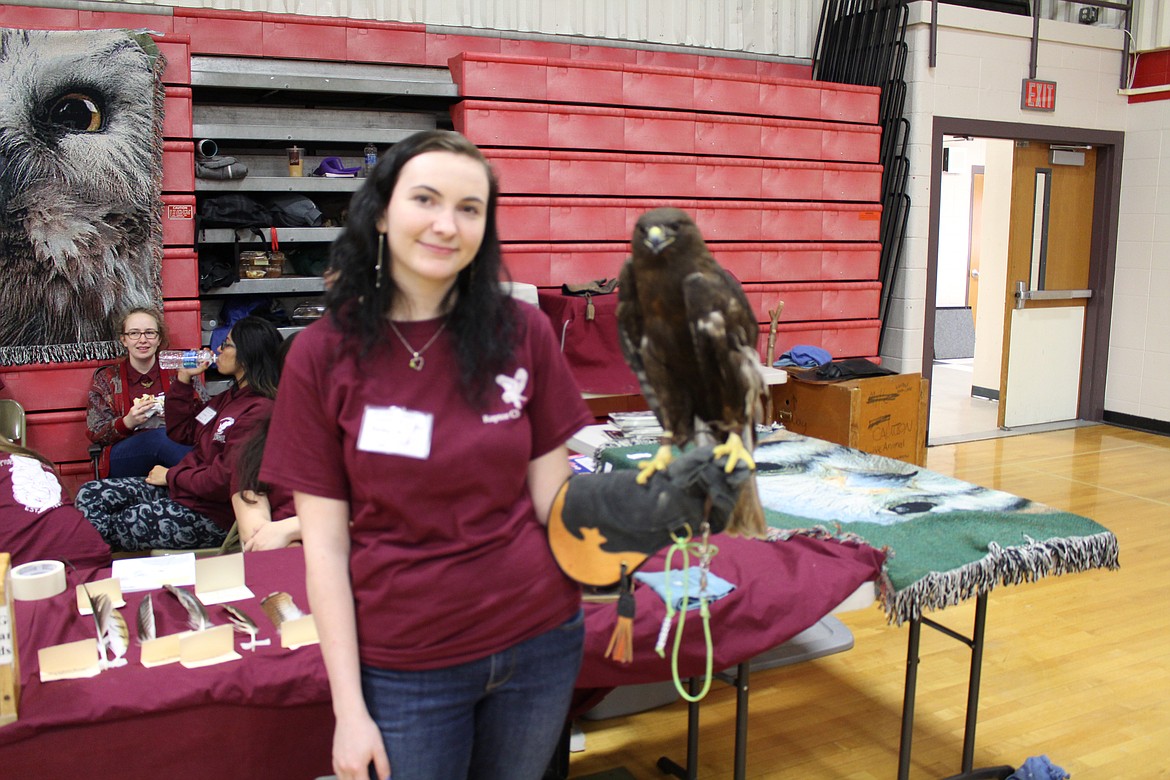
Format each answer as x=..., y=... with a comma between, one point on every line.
x=416, y=359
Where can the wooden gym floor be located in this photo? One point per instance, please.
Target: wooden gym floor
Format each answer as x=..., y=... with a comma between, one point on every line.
x=1076, y=667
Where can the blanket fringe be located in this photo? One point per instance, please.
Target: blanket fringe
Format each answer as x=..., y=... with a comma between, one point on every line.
x=60, y=353
x=1029, y=562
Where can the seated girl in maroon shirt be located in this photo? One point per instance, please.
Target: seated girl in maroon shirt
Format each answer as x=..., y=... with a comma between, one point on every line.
x=125, y=402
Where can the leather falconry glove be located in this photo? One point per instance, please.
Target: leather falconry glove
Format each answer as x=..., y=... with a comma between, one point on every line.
x=604, y=526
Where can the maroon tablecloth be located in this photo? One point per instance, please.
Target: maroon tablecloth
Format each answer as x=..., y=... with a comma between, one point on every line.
x=265, y=715
x=781, y=588
x=268, y=715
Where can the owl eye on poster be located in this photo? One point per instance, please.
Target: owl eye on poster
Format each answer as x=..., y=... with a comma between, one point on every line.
x=80, y=182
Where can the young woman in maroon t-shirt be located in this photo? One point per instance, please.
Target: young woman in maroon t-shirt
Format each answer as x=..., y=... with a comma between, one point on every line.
x=422, y=426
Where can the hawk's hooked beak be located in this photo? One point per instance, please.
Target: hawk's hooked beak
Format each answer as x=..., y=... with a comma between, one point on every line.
x=658, y=238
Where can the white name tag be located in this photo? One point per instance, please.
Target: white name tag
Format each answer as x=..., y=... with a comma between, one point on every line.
x=206, y=416
x=394, y=430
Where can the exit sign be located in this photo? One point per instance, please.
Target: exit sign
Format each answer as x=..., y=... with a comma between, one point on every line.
x=1039, y=95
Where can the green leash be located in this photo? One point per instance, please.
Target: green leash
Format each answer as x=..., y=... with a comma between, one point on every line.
x=705, y=551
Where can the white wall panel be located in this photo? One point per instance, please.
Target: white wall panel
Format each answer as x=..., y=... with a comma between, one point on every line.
x=783, y=28
x=1152, y=24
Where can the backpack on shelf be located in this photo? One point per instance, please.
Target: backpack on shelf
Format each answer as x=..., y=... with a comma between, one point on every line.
x=233, y=210
x=291, y=210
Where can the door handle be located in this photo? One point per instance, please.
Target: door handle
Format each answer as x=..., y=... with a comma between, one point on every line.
x=1024, y=294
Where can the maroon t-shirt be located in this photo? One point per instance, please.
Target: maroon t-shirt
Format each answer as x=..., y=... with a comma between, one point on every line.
x=448, y=560
x=202, y=480
x=39, y=522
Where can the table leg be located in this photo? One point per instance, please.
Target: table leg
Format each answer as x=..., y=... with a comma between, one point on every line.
x=975, y=643
x=741, y=719
x=915, y=637
x=690, y=771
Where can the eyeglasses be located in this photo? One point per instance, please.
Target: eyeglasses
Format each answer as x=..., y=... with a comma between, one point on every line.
x=134, y=335
x=226, y=345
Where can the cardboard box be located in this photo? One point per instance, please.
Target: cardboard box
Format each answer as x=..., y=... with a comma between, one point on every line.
x=9, y=661
x=883, y=415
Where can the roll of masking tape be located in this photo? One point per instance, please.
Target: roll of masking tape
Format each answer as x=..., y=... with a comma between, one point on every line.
x=38, y=580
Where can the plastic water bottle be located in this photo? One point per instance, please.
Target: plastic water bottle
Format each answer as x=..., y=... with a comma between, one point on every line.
x=185, y=358
x=371, y=159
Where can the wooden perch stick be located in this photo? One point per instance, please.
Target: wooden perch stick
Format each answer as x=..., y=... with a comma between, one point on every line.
x=774, y=314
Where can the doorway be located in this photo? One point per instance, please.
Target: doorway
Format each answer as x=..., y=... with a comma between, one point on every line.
x=1000, y=207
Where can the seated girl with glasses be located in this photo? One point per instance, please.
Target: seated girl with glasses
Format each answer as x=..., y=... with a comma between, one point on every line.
x=189, y=505
x=126, y=400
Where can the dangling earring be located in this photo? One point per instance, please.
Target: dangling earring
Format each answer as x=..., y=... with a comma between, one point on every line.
x=378, y=267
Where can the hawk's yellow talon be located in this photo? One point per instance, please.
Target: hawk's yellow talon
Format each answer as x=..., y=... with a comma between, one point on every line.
x=735, y=451
x=659, y=462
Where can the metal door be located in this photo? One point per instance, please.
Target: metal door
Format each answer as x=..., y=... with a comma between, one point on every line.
x=1047, y=277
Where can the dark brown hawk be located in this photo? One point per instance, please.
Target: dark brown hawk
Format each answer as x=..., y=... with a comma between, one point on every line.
x=689, y=333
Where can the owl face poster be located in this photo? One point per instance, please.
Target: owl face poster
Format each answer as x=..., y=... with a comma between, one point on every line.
x=80, y=181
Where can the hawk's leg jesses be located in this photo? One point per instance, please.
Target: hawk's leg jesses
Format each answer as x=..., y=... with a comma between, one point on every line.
x=703, y=548
x=735, y=451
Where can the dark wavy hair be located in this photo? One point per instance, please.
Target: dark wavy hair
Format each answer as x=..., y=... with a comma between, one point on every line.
x=257, y=351
x=248, y=460
x=480, y=315
x=251, y=453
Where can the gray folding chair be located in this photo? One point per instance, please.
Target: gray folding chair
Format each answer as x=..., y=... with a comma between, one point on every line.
x=12, y=421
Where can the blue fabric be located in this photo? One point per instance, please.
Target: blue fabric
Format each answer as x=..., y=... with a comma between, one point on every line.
x=804, y=356
x=1039, y=768
x=231, y=313
x=496, y=718
x=137, y=455
x=685, y=585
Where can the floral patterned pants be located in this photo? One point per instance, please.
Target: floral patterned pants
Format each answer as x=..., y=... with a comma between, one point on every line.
x=132, y=515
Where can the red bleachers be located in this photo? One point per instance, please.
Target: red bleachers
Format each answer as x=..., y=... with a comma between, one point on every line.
x=484, y=75
x=779, y=171
x=541, y=171
x=536, y=219
x=550, y=265
x=816, y=301
x=842, y=338
x=180, y=274
x=178, y=167
x=43, y=386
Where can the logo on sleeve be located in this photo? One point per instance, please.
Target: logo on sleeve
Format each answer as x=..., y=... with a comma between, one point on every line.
x=512, y=388
x=221, y=429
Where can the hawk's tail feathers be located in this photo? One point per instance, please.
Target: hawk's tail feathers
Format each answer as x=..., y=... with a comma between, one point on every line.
x=747, y=518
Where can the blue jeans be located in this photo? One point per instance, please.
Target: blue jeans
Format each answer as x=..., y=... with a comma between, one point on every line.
x=498, y=718
x=137, y=455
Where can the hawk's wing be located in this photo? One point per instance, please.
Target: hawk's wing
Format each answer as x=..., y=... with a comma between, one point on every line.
x=632, y=335
x=725, y=333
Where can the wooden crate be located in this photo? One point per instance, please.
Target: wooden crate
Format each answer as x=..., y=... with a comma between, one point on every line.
x=883, y=415
x=9, y=666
